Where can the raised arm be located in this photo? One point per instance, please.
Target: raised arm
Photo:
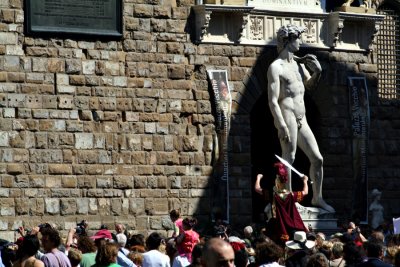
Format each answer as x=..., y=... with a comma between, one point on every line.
x=274, y=71
x=311, y=61
x=257, y=186
x=305, y=185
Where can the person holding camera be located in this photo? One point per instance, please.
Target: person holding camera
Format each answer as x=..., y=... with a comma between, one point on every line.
x=26, y=252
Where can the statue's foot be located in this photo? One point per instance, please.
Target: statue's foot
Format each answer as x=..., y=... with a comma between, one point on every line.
x=322, y=204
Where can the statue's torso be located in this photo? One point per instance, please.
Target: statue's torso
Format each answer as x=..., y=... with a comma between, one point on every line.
x=291, y=97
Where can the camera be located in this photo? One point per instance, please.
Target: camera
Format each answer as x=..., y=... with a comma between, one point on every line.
x=81, y=228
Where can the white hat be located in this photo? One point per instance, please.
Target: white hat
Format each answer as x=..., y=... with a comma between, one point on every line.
x=121, y=239
x=300, y=241
x=235, y=239
x=248, y=230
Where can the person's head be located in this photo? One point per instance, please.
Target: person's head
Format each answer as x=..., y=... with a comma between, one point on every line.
x=189, y=223
x=375, y=249
x=107, y=253
x=121, y=240
x=74, y=256
x=268, y=252
x=337, y=250
x=377, y=236
x=119, y=228
x=174, y=215
x=29, y=247
x=289, y=36
x=241, y=258
x=317, y=260
x=136, y=240
x=281, y=175
x=248, y=231
x=218, y=252
x=136, y=258
x=197, y=252
x=50, y=239
x=154, y=241
x=86, y=245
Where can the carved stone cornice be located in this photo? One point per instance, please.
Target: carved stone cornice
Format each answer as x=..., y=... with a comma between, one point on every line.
x=255, y=26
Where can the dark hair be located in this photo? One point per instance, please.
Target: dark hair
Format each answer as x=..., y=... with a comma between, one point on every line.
x=52, y=235
x=29, y=247
x=197, y=252
x=352, y=254
x=86, y=245
x=189, y=222
x=268, y=252
x=136, y=240
x=153, y=241
x=174, y=214
x=241, y=258
x=317, y=260
x=374, y=249
x=397, y=259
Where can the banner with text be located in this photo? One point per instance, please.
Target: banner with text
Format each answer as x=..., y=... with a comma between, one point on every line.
x=360, y=121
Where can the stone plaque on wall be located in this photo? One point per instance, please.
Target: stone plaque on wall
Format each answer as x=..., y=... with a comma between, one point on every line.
x=306, y=6
x=74, y=17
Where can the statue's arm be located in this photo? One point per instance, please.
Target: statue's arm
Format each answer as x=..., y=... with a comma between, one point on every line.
x=273, y=101
x=311, y=81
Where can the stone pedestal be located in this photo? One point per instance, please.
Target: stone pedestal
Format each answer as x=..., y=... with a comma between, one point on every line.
x=355, y=9
x=319, y=219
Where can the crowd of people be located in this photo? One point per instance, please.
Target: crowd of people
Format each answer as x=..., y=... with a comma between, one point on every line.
x=43, y=247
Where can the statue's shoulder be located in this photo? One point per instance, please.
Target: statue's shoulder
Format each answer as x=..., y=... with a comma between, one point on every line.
x=276, y=65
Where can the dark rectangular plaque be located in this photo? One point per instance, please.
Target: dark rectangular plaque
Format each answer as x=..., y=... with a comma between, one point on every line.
x=74, y=17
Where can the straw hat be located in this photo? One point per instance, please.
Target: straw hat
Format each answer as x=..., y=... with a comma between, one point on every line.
x=300, y=241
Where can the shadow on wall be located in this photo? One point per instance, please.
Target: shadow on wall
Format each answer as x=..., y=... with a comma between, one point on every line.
x=253, y=142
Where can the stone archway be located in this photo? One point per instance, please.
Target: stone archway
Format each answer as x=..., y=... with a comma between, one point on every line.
x=252, y=103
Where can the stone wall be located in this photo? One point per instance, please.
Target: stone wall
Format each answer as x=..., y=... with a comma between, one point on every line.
x=123, y=130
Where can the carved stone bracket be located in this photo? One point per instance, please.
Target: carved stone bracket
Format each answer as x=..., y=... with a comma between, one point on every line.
x=212, y=20
x=353, y=31
x=255, y=26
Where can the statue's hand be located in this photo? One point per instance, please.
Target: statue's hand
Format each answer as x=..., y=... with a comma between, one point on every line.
x=312, y=63
x=283, y=134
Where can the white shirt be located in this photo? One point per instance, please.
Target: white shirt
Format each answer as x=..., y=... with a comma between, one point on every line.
x=155, y=258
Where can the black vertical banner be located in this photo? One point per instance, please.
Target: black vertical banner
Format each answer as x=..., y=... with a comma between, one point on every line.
x=223, y=105
x=360, y=120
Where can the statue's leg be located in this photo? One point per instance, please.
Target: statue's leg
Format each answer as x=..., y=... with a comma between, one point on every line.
x=308, y=144
x=289, y=148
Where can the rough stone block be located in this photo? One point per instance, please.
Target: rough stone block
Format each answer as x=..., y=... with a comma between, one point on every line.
x=123, y=182
x=83, y=140
x=66, y=102
x=52, y=206
x=82, y=205
x=60, y=169
x=68, y=206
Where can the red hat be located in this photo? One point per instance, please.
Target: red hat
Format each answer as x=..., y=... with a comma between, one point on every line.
x=281, y=172
x=103, y=233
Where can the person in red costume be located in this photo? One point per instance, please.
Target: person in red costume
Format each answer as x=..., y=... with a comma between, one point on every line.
x=285, y=218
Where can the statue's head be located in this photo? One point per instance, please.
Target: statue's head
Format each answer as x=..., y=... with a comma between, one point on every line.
x=286, y=34
x=281, y=172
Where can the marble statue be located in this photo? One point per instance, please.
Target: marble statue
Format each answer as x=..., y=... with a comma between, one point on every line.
x=288, y=77
x=376, y=209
